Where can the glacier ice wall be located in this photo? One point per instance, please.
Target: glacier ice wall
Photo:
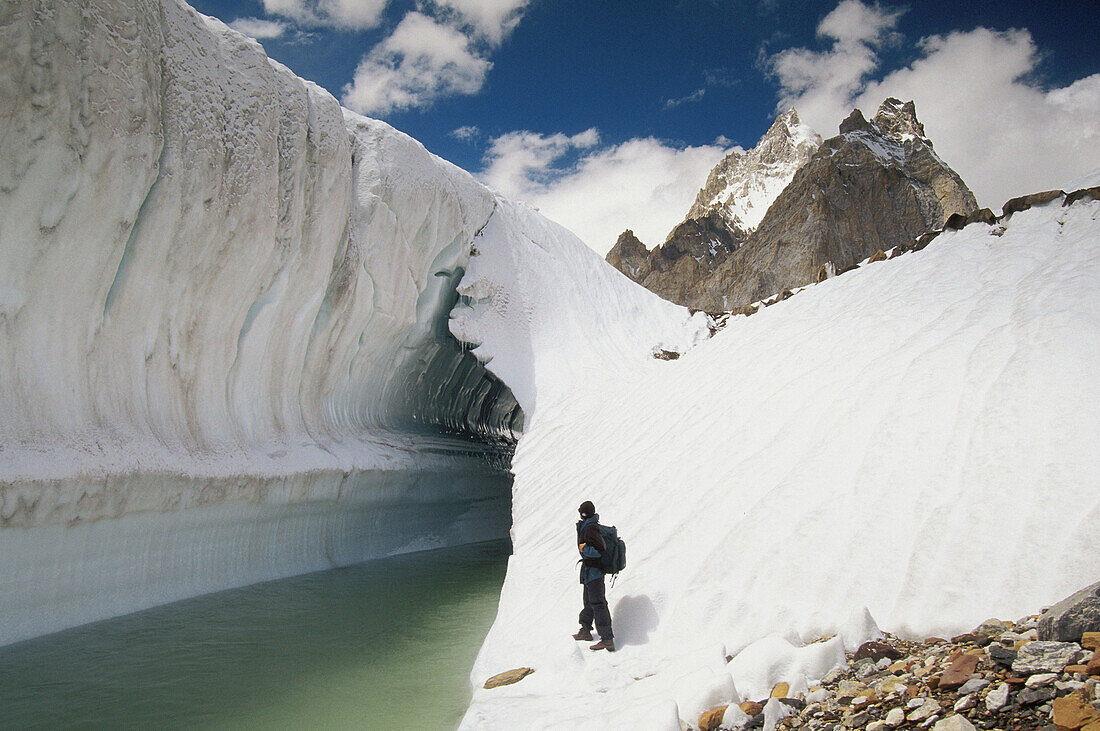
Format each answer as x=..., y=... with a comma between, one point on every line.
x=223, y=322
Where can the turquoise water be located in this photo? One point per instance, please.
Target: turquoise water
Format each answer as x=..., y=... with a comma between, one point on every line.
x=384, y=644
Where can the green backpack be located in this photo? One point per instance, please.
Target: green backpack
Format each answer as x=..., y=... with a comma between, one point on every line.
x=613, y=559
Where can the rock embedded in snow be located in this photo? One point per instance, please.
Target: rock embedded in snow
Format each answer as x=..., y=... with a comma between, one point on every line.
x=508, y=677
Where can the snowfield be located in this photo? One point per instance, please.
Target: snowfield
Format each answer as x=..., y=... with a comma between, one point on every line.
x=909, y=445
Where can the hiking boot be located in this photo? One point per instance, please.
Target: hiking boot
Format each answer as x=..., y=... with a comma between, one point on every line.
x=585, y=635
x=608, y=645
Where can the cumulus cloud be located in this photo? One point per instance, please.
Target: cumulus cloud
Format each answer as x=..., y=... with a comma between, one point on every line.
x=642, y=184
x=974, y=91
x=343, y=14
x=421, y=61
x=258, y=28
x=490, y=20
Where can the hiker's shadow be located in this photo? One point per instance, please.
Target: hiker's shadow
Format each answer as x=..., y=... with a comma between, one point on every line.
x=634, y=618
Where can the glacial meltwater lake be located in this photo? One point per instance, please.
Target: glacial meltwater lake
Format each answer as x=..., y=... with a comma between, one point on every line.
x=383, y=644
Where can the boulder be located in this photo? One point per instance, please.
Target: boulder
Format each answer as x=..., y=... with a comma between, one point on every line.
x=508, y=677
x=752, y=708
x=983, y=215
x=712, y=719
x=1070, y=618
x=997, y=698
x=958, y=673
x=1092, y=193
x=1002, y=655
x=1025, y=202
x=953, y=723
x=1045, y=657
x=1093, y=666
x=1073, y=711
x=1090, y=640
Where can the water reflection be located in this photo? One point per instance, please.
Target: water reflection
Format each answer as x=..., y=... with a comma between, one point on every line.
x=387, y=642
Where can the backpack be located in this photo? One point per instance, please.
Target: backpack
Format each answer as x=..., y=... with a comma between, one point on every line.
x=613, y=559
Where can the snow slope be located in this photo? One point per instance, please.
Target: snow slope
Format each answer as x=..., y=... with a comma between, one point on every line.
x=914, y=439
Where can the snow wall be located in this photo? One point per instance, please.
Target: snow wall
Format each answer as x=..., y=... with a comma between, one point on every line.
x=224, y=353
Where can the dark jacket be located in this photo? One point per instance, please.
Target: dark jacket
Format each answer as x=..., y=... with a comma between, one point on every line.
x=588, y=532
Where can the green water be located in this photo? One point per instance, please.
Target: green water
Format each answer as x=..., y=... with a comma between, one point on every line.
x=384, y=644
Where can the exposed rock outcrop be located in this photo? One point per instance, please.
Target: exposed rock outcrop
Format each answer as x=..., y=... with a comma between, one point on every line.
x=628, y=255
x=876, y=185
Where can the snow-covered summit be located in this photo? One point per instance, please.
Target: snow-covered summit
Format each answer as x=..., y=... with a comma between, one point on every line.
x=744, y=184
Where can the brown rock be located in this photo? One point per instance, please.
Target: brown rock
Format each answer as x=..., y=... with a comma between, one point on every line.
x=508, y=677
x=1073, y=711
x=1083, y=669
x=1093, y=667
x=781, y=690
x=959, y=672
x=712, y=719
x=1025, y=202
x=752, y=707
x=1092, y=193
x=1090, y=640
x=934, y=640
x=876, y=651
x=879, y=255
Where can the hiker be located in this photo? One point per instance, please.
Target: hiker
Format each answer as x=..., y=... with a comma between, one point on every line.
x=591, y=546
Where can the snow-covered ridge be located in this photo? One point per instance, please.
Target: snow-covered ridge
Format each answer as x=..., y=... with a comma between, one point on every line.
x=744, y=184
x=912, y=439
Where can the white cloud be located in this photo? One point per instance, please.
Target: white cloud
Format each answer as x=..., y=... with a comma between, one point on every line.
x=258, y=28
x=1002, y=132
x=490, y=20
x=687, y=99
x=642, y=184
x=466, y=133
x=421, y=61
x=819, y=84
x=343, y=14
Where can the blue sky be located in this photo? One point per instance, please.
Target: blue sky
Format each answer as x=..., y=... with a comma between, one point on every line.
x=607, y=114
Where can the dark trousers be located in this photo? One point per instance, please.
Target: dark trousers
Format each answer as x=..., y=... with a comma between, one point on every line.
x=595, y=607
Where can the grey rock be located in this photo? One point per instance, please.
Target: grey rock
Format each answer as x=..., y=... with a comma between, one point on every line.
x=1067, y=620
x=877, y=726
x=966, y=702
x=972, y=686
x=857, y=719
x=1044, y=657
x=954, y=723
x=997, y=698
x=1041, y=679
x=927, y=709
x=1002, y=655
x=895, y=717
x=1032, y=696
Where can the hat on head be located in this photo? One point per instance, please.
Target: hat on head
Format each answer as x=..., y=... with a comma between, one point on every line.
x=587, y=509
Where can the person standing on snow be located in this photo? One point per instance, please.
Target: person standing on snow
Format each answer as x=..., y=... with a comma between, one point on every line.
x=591, y=546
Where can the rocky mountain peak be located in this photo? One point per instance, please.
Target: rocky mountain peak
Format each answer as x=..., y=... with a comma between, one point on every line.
x=628, y=255
x=896, y=119
x=743, y=184
x=876, y=185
